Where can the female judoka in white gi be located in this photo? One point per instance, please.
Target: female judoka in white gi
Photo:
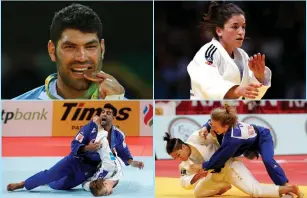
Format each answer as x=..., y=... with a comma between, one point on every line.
x=197, y=150
x=221, y=69
x=237, y=138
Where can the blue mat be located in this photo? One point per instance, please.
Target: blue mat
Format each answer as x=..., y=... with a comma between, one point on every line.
x=134, y=183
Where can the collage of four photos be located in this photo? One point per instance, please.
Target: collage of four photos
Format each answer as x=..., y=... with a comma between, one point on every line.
x=166, y=99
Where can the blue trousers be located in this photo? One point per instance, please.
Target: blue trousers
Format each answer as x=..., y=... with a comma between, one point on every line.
x=266, y=150
x=68, y=173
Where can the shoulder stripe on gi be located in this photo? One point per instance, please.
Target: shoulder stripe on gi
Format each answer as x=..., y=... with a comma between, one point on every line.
x=209, y=53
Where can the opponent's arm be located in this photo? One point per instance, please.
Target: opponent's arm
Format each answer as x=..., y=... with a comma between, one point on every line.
x=80, y=144
x=123, y=151
x=224, y=153
x=186, y=177
x=208, y=135
x=185, y=181
x=188, y=180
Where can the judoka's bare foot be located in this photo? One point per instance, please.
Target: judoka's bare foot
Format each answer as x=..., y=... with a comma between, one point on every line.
x=223, y=190
x=15, y=186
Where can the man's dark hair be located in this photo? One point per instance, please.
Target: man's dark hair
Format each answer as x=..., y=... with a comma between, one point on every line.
x=109, y=106
x=75, y=16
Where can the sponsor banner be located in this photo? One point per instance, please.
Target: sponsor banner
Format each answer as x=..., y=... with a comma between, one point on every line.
x=26, y=118
x=289, y=131
x=70, y=116
x=243, y=107
x=146, y=118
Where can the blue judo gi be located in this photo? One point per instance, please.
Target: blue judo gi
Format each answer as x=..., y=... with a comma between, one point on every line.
x=77, y=167
x=234, y=146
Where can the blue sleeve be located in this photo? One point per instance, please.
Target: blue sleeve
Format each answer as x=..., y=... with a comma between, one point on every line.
x=224, y=153
x=123, y=150
x=208, y=125
x=82, y=138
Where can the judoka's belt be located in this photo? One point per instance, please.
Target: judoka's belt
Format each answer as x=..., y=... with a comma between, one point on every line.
x=115, y=171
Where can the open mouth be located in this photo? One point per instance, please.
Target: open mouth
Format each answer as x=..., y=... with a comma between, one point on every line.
x=103, y=120
x=80, y=70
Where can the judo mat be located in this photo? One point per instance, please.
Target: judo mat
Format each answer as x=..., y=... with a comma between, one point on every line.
x=168, y=185
x=42, y=153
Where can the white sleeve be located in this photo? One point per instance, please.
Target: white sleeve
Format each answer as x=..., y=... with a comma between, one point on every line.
x=115, y=97
x=206, y=81
x=102, y=137
x=104, y=153
x=210, y=139
x=197, y=138
x=86, y=185
x=252, y=79
x=267, y=77
x=266, y=85
x=185, y=182
x=105, y=144
x=185, y=177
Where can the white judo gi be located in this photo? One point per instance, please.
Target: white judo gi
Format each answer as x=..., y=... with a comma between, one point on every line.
x=111, y=167
x=213, y=72
x=234, y=172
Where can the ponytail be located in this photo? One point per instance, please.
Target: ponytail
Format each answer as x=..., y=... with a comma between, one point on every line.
x=217, y=16
x=172, y=144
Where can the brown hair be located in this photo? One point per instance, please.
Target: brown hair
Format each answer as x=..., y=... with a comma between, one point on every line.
x=172, y=144
x=225, y=115
x=97, y=187
x=217, y=16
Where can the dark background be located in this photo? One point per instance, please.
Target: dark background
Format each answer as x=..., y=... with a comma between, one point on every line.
x=127, y=30
x=277, y=29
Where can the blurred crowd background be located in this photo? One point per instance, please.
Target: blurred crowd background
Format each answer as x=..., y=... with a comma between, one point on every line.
x=127, y=30
x=277, y=29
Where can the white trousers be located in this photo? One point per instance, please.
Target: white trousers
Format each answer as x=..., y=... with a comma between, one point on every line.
x=234, y=173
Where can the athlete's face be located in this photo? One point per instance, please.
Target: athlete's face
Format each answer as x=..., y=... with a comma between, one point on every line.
x=108, y=187
x=75, y=53
x=106, y=116
x=182, y=154
x=233, y=32
x=218, y=127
